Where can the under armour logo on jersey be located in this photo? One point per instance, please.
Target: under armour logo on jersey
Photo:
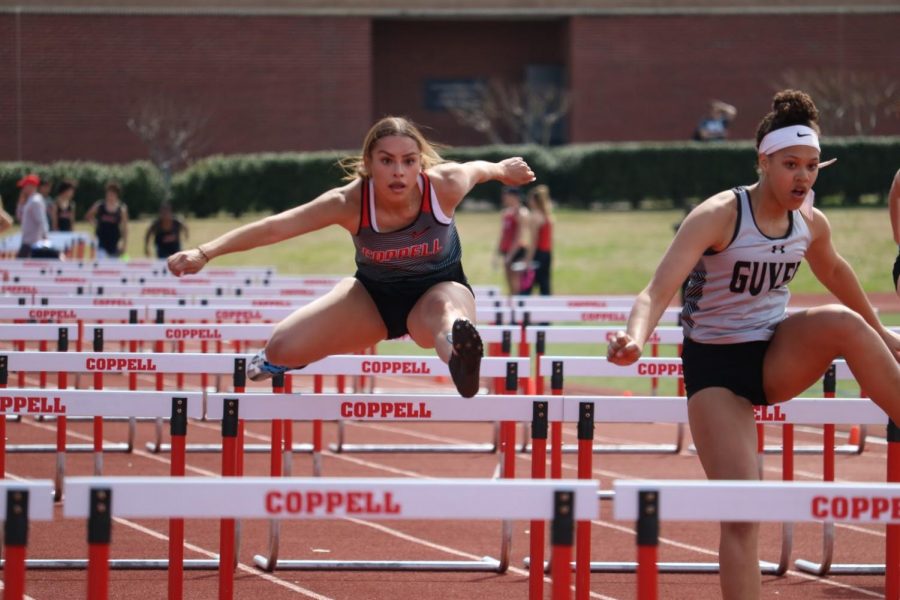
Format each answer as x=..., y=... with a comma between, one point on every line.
x=776, y=249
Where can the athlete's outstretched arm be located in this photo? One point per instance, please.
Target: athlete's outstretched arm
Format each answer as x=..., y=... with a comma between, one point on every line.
x=836, y=274
x=454, y=180
x=710, y=225
x=332, y=207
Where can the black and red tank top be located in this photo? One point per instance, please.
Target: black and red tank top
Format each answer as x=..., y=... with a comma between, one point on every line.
x=427, y=246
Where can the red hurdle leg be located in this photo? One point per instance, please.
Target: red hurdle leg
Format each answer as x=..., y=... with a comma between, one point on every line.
x=178, y=431
x=892, y=542
x=583, y=528
x=15, y=539
x=99, y=536
x=647, y=542
x=226, y=528
x=556, y=439
x=275, y=457
x=561, y=546
x=508, y=428
x=538, y=471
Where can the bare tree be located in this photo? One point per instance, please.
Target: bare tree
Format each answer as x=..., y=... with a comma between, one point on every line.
x=851, y=103
x=512, y=112
x=174, y=135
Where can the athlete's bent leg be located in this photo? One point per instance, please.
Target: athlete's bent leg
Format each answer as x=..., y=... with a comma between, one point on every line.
x=724, y=432
x=443, y=319
x=807, y=342
x=342, y=321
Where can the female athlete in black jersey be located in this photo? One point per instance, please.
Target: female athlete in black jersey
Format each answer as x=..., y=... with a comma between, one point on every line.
x=398, y=206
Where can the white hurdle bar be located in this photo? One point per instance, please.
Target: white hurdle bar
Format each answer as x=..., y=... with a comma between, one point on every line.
x=90, y=403
x=98, y=499
x=539, y=410
x=205, y=333
x=235, y=364
x=62, y=334
x=650, y=501
x=593, y=366
x=20, y=502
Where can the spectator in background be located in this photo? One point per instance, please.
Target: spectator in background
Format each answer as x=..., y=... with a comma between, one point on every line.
x=166, y=231
x=35, y=226
x=540, y=249
x=109, y=218
x=6, y=220
x=512, y=244
x=894, y=206
x=714, y=125
x=62, y=209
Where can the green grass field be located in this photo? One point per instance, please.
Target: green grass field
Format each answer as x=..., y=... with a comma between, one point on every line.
x=595, y=252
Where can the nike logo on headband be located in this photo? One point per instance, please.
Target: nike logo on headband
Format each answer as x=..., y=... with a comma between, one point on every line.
x=803, y=134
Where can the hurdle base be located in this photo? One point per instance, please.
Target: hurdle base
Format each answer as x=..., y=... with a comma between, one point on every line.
x=813, y=449
x=619, y=449
x=126, y=564
x=808, y=566
x=70, y=448
x=486, y=564
x=216, y=448
x=415, y=448
x=765, y=568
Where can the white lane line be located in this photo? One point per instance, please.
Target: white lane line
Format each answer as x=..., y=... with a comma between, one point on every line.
x=241, y=566
x=434, y=546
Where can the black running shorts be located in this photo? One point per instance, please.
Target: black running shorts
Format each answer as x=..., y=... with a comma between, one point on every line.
x=736, y=367
x=395, y=300
x=896, y=269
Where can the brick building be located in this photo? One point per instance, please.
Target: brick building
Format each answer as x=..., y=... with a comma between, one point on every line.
x=281, y=75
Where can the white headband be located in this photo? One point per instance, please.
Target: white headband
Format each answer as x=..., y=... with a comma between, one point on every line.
x=795, y=135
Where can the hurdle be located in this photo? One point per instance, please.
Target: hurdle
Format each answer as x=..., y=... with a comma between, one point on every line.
x=390, y=407
x=65, y=403
x=540, y=336
x=148, y=363
x=506, y=368
x=505, y=371
x=840, y=370
x=179, y=407
x=21, y=502
x=751, y=501
x=44, y=333
x=98, y=499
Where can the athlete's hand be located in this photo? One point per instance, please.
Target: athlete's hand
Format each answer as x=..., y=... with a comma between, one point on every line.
x=516, y=171
x=623, y=350
x=186, y=262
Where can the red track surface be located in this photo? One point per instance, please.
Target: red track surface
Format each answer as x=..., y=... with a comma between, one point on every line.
x=433, y=540
x=408, y=540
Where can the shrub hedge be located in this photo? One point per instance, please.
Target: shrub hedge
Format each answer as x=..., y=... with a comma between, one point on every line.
x=143, y=187
x=579, y=176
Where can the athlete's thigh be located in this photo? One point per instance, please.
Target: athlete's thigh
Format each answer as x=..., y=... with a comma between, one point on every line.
x=800, y=351
x=724, y=432
x=436, y=309
x=343, y=320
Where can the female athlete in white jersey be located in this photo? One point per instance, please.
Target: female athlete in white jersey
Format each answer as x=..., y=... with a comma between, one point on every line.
x=399, y=208
x=740, y=248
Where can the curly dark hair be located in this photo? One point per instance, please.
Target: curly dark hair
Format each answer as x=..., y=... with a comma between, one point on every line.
x=789, y=107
